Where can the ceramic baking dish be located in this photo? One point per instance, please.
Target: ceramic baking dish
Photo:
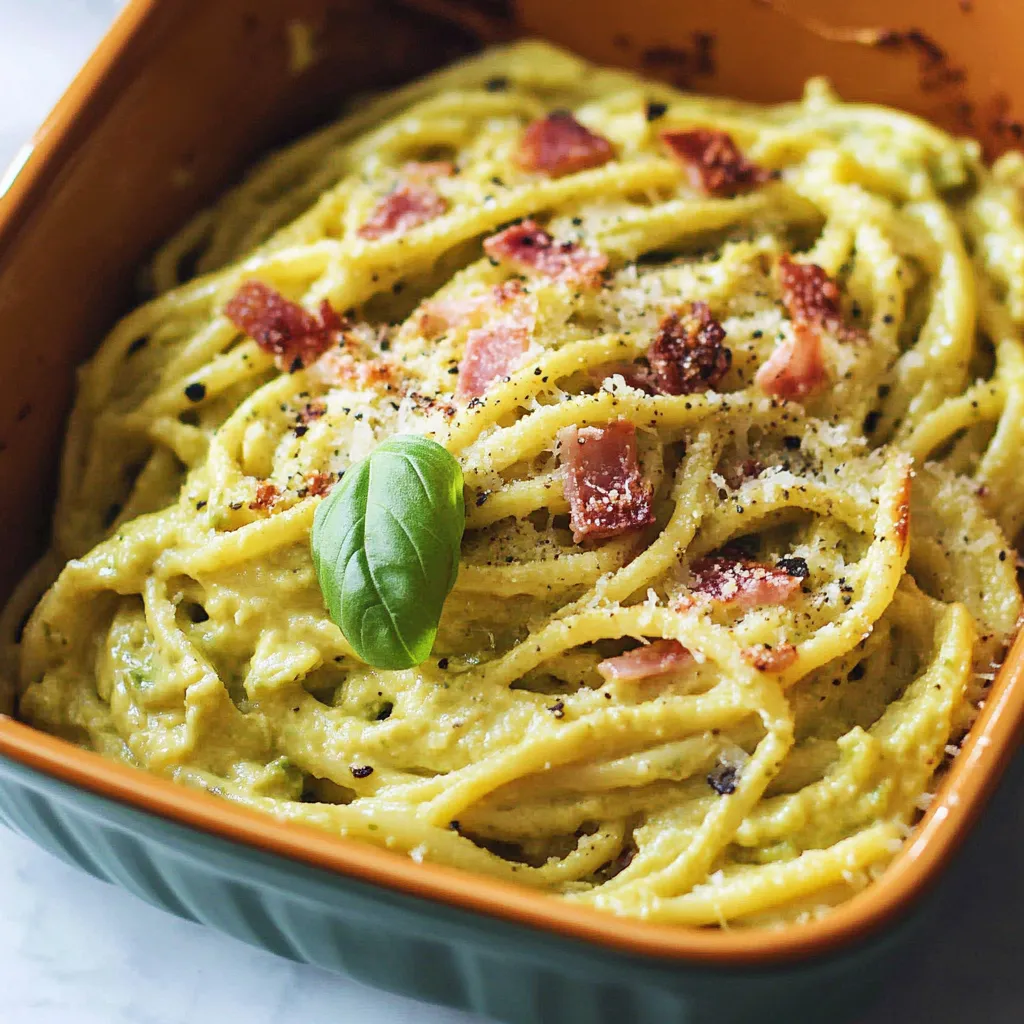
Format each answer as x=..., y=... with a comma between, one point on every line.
x=180, y=96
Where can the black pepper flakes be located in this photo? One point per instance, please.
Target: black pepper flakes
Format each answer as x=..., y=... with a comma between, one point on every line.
x=195, y=392
x=794, y=565
x=723, y=779
x=361, y=771
x=558, y=709
x=656, y=110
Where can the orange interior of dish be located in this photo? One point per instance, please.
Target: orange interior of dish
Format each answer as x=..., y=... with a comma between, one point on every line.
x=135, y=146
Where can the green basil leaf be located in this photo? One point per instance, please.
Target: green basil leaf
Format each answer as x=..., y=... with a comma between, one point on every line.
x=386, y=544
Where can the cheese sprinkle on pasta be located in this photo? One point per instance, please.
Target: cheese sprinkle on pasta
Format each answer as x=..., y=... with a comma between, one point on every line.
x=738, y=397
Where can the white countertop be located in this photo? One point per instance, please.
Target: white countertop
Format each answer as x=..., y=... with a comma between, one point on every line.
x=77, y=951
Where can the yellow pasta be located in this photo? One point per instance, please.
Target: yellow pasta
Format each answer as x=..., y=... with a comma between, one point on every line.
x=775, y=766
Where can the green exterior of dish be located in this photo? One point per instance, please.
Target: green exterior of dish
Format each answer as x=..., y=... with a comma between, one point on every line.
x=419, y=948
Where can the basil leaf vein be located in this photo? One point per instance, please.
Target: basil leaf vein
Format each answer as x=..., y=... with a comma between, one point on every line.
x=385, y=546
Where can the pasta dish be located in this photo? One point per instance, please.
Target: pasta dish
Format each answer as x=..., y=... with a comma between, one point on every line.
x=549, y=473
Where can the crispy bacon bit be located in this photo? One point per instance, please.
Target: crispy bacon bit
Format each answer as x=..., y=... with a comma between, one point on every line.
x=654, y=659
x=318, y=484
x=741, y=582
x=812, y=298
x=687, y=354
x=606, y=493
x=796, y=368
x=293, y=335
x=558, y=144
x=267, y=495
x=714, y=163
x=491, y=352
x=766, y=658
x=527, y=246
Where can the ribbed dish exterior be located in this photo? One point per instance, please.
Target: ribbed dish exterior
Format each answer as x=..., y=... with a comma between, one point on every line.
x=419, y=948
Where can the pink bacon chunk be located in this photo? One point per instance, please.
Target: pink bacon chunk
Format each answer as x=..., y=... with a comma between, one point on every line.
x=293, y=335
x=527, y=246
x=743, y=583
x=796, y=368
x=435, y=316
x=491, y=353
x=558, y=144
x=607, y=495
x=654, y=659
x=414, y=202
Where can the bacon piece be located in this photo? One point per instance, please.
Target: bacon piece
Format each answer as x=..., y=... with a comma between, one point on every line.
x=435, y=316
x=413, y=202
x=606, y=493
x=527, y=246
x=293, y=335
x=811, y=298
x=770, y=659
x=687, y=354
x=266, y=498
x=491, y=352
x=316, y=485
x=653, y=659
x=715, y=164
x=558, y=144
x=742, y=582
x=338, y=367
x=406, y=208
x=796, y=368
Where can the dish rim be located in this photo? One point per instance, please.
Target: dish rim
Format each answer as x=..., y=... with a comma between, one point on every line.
x=960, y=797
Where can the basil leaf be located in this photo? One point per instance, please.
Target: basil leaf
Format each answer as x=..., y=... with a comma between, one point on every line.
x=386, y=547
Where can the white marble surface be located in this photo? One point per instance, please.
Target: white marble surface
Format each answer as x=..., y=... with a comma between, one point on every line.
x=76, y=951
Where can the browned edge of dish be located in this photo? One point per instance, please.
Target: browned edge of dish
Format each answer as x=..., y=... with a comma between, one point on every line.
x=961, y=795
